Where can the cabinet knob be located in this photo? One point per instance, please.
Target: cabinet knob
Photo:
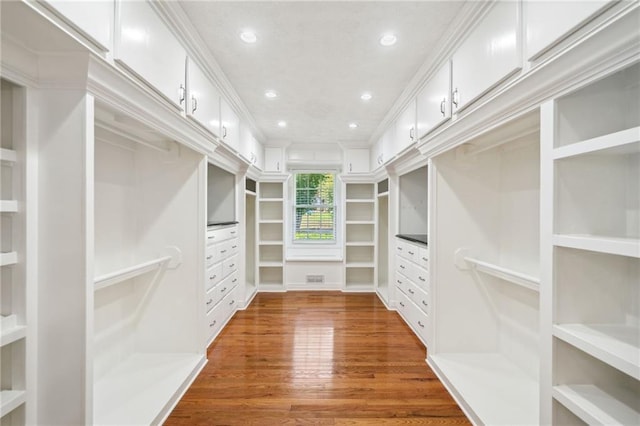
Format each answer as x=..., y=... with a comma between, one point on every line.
x=194, y=104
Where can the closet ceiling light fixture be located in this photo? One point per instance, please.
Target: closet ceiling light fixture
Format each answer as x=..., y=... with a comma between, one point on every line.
x=248, y=36
x=282, y=124
x=388, y=39
x=353, y=125
x=270, y=94
x=365, y=96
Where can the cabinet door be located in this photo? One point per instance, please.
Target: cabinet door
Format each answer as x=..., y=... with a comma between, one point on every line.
x=273, y=160
x=434, y=101
x=488, y=55
x=204, y=100
x=94, y=18
x=548, y=22
x=405, y=132
x=230, y=125
x=147, y=47
x=376, y=157
x=357, y=160
x=258, y=151
x=389, y=149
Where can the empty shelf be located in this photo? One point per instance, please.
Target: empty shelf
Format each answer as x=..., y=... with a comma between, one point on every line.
x=10, y=400
x=518, y=278
x=8, y=258
x=8, y=156
x=620, y=141
x=594, y=406
x=612, y=245
x=124, y=274
x=8, y=206
x=11, y=331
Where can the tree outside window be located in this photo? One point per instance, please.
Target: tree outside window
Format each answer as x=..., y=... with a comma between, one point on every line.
x=314, y=207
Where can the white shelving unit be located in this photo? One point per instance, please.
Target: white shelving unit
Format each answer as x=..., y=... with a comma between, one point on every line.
x=485, y=235
x=360, y=237
x=270, y=250
x=15, y=324
x=594, y=159
x=251, y=240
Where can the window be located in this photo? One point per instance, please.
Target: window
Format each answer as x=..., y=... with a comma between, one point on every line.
x=314, y=207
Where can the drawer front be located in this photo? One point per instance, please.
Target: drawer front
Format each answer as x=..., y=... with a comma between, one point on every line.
x=401, y=282
x=221, y=234
x=405, y=267
x=423, y=258
x=230, y=303
x=413, y=316
x=225, y=287
x=418, y=296
x=210, y=256
x=213, y=277
x=421, y=278
x=234, y=247
x=229, y=265
x=410, y=252
x=214, y=322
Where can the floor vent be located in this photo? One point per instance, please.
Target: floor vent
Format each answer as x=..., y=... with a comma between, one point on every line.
x=315, y=279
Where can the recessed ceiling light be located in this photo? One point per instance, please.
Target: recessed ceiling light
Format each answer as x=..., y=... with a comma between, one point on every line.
x=388, y=39
x=365, y=96
x=353, y=125
x=282, y=124
x=248, y=36
x=271, y=94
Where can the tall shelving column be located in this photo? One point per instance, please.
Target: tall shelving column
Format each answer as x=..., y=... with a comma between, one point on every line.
x=360, y=237
x=382, y=254
x=250, y=240
x=593, y=155
x=14, y=293
x=271, y=234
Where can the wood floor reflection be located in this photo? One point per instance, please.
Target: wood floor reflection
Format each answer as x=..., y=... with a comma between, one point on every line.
x=321, y=358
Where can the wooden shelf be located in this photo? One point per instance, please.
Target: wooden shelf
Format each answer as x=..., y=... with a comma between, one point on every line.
x=614, y=344
x=622, y=142
x=383, y=194
x=621, y=246
x=359, y=287
x=8, y=258
x=10, y=400
x=8, y=206
x=8, y=156
x=491, y=389
x=271, y=287
x=594, y=406
x=124, y=274
x=138, y=390
x=509, y=275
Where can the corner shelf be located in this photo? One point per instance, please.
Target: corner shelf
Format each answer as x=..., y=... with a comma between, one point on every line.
x=615, y=344
x=10, y=400
x=621, y=246
x=594, y=406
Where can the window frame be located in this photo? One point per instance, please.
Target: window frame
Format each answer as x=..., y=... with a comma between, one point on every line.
x=293, y=206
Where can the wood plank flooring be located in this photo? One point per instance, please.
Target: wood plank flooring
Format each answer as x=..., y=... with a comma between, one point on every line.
x=320, y=358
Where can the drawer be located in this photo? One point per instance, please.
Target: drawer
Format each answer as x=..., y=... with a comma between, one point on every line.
x=421, y=278
x=230, y=265
x=210, y=300
x=210, y=256
x=423, y=258
x=401, y=282
x=221, y=234
x=225, y=287
x=233, y=247
x=213, y=277
x=413, y=316
x=417, y=296
x=214, y=322
x=230, y=303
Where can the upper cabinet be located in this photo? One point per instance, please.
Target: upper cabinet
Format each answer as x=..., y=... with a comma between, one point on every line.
x=94, y=19
x=489, y=54
x=405, y=131
x=204, y=99
x=547, y=22
x=146, y=46
x=376, y=157
x=273, y=159
x=250, y=148
x=230, y=125
x=356, y=160
x=434, y=101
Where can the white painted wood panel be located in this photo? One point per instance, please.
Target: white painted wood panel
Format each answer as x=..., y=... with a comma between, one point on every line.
x=434, y=101
x=204, y=99
x=94, y=18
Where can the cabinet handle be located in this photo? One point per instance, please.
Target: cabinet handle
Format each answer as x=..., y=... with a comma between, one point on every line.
x=232, y=232
x=213, y=323
x=223, y=290
x=425, y=303
x=210, y=301
x=223, y=251
x=412, y=133
x=425, y=259
x=411, y=291
x=422, y=279
x=213, y=277
x=209, y=257
x=442, y=105
x=454, y=98
x=278, y=166
x=224, y=132
x=401, y=266
x=350, y=167
x=211, y=237
x=194, y=104
x=235, y=280
x=399, y=248
x=234, y=247
x=232, y=265
x=232, y=302
x=420, y=324
x=399, y=282
x=181, y=93
x=411, y=253
x=402, y=304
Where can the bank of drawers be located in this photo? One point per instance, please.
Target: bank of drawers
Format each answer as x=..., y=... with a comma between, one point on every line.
x=412, y=286
x=221, y=277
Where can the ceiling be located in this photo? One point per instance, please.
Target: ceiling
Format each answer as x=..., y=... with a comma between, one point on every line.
x=319, y=57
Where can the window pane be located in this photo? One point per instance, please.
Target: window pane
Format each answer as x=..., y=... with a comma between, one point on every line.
x=314, y=209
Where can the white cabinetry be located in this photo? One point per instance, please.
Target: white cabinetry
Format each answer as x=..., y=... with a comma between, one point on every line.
x=547, y=22
x=146, y=46
x=221, y=277
x=360, y=237
x=486, y=273
x=405, y=129
x=412, y=286
x=273, y=159
x=376, y=158
x=489, y=54
x=95, y=18
x=592, y=155
x=250, y=148
x=204, y=99
x=356, y=160
x=434, y=101
x=271, y=235
x=229, y=126
x=16, y=323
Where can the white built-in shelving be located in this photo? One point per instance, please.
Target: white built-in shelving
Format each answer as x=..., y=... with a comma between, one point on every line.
x=16, y=352
x=270, y=234
x=360, y=236
x=594, y=158
x=251, y=238
x=486, y=268
x=382, y=253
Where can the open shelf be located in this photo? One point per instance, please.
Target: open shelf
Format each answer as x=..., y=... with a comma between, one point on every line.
x=614, y=344
x=10, y=400
x=595, y=406
x=270, y=243
x=509, y=275
x=356, y=264
x=139, y=388
x=11, y=330
x=8, y=258
x=622, y=142
x=612, y=245
x=8, y=156
x=124, y=274
x=8, y=206
x=492, y=389
x=364, y=192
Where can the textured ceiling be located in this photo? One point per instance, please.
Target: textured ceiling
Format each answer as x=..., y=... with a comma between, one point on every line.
x=320, y=57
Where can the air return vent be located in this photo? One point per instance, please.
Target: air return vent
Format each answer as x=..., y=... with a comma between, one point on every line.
x=315, y=279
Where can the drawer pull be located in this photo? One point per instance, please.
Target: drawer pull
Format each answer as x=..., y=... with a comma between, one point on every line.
x=210, y=301
x=425, y=303
x=213, y=323
x=209, y=257
x=223, y=290
x=402, y=304
x=411, y=291
x=223, y=251
x=232, y=302
x=411, y=253
x=234, y=247
x=420, y=324
x=401, y=266
x=232, y=232
x=399, y=282
x=213, y=277
x=232, y=265
x=211, y=237
x=399, y=248
x=425, y=259
x=235, y=280
x=422, y=279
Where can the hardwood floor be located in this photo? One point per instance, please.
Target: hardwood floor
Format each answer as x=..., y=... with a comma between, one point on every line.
x=321, y=358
